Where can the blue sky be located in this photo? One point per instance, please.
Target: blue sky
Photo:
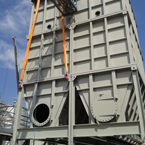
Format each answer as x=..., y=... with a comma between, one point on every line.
x=14, y=21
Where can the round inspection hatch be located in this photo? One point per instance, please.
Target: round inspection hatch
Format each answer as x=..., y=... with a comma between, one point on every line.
x=103, y=108
x=41, y=114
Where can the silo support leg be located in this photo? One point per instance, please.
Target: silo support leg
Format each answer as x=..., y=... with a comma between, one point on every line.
x=17, y=116
x=140, y=104
x=71, y=112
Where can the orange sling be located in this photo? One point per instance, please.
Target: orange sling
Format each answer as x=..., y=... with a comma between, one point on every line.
x=29, y=42
x=64, y=48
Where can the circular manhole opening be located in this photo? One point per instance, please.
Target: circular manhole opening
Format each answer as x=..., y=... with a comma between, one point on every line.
x=41, y=113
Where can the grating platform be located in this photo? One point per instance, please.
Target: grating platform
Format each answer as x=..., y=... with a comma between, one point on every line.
x=67, y=5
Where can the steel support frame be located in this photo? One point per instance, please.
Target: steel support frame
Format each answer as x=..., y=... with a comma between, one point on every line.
x=71, y=112
x=85, y=73
x=139, y=104
x=102, y=130
x=73, y=130
x=6, y=131
x=71, y=115
x=17, y=116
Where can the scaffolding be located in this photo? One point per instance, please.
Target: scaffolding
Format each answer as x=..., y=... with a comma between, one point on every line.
x=7, y=119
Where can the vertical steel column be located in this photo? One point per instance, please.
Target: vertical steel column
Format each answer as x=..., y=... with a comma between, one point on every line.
x=71, y=49
x=71, y=90
x=91, y=35
x=52, y=102
x=140, y=105
x=123, y=4
x=107, y=42
x=113, y=74
x=115, y=93
x=44, y=15
x=128, y=37
x=17, y=116
x=91, y=118
x=32, y=17
x=71, y=111
x=54, y=41
x=106, y=35
x=52, y=67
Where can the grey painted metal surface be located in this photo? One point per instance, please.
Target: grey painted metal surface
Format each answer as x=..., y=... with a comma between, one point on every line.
x=104, y=59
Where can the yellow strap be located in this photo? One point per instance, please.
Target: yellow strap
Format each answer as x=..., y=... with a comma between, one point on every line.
x=29, y=42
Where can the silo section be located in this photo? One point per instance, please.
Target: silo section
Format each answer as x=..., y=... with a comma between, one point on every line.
x=104, y=96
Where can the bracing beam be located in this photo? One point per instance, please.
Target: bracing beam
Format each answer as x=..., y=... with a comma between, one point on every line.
x=110, y=129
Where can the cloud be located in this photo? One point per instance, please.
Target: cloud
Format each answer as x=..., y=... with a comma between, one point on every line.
x=15, y=20
x=7, y=55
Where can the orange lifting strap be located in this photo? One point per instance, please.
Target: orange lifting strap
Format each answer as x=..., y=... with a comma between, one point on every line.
x=29, y=42
x=64, y=48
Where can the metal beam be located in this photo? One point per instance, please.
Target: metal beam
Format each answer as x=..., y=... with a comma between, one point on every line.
x=108, y=129
x=5, y=131
x=43, y=133
x=18, y=115
x=140, y=104
x=71, y=111
x=84, y=73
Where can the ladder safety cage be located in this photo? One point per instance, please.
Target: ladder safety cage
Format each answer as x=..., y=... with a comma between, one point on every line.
x=69, y=7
